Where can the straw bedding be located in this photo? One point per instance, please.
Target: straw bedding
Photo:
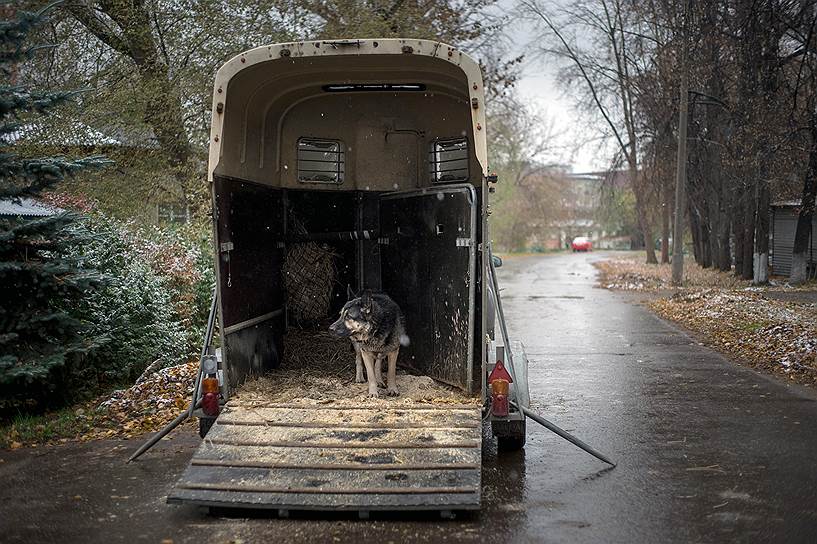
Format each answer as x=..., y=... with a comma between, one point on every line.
x=319, y=368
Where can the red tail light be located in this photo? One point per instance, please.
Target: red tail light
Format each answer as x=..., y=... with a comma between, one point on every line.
x=209, y=401
x=500, y=381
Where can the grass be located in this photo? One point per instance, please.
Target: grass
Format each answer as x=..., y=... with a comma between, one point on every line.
x=44, y=428
x=751, y=326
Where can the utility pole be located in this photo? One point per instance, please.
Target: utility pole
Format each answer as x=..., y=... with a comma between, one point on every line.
x=681, y=162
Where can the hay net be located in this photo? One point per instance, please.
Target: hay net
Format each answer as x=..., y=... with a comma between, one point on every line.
x=309, y=277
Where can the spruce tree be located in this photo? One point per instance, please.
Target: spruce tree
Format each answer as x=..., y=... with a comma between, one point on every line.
x=39, y=338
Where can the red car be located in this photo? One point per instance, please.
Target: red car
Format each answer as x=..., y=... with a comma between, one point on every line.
x=581, y=243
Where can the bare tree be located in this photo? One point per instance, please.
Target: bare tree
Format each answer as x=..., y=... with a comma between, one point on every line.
x=609, y=82
x=681, y=161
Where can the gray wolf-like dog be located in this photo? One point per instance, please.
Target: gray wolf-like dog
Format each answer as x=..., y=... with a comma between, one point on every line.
x=376, y=327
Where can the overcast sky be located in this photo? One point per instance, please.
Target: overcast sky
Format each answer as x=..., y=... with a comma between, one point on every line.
x=538, y=86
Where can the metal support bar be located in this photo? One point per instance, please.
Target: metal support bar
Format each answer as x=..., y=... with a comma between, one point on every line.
x=346, y=235
x=503, y=328
x=564, y=434
x=254, y=321
x=161, y=434
x=208, y=339
x=195, y=402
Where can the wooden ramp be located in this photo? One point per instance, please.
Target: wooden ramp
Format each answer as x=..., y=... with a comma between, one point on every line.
x=292, y=457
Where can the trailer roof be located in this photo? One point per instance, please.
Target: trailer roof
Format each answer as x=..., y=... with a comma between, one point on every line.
x=297, y=67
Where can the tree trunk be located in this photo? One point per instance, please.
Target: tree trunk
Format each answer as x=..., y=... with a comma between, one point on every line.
x=772, y=34
x=761, y=256
x=706, y=240
x=800, y=255
x=665, y=218
x=714, y=185
x=681, y=162
x=748, y=244
x=724, y=250
x=695, y=230
x=641, y=213
x=737, y=233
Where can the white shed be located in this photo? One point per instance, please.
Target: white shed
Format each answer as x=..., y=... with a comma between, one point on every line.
x=784, y=225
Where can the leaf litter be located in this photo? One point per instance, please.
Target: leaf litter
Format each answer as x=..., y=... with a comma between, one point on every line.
x=740, y=320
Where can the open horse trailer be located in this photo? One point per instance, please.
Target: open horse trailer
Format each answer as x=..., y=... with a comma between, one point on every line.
x=378, y=150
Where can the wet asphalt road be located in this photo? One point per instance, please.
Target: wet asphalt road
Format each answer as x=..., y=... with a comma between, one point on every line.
x=708, y=451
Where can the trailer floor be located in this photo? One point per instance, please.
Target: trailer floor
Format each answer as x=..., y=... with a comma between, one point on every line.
x=321, y=457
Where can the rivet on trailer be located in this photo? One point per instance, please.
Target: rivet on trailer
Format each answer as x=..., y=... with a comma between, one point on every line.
x=379, y=149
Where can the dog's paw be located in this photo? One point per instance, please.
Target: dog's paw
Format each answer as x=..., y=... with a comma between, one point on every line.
x=359, y=379
x=392, y=392
x=374, y=393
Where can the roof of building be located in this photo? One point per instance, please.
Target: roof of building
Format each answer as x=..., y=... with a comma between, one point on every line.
x=787, y=203
x=26, y=207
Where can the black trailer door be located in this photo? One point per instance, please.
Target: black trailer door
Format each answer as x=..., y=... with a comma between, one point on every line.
x=428, y=255
x=250, y=223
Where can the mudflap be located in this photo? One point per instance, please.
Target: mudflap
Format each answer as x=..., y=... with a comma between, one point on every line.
x=324, y=457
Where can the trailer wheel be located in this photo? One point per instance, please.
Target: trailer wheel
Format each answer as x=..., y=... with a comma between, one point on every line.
x=204, y=425
x=512, y=437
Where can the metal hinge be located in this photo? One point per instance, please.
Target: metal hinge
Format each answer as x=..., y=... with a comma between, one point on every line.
x=464, y=242
x=226, y=246
x=383, y=241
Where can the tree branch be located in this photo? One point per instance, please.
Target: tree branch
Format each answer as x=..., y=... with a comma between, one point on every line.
x=535, y=9
x=86, y=15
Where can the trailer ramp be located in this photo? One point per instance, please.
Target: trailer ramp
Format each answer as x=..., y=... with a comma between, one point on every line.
x=324, y=457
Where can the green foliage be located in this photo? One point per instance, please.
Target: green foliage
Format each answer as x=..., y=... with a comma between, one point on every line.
x=528, y=194
x=40, y=428
x=151, y=304
x=40, y=339
x=616, y=210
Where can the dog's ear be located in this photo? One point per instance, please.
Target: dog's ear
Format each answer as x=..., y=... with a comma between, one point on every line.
x=366, y=301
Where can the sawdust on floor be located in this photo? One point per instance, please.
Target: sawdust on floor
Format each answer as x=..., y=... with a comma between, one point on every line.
x=319, y=369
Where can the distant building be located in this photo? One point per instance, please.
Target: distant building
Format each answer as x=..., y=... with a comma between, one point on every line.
x=578, y=198
x=121, y=189
x=580, y=201
x=784, y=225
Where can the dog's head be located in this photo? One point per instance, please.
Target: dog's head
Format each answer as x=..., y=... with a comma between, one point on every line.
x=355, y=318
